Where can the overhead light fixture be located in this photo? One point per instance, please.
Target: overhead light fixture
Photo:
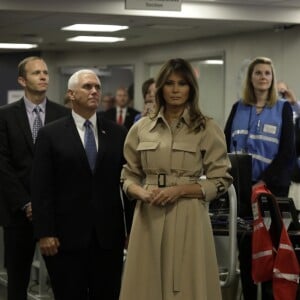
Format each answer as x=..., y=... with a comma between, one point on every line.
x=213, y=62
x=94, y=27
x=17, y=46
x=95, y=39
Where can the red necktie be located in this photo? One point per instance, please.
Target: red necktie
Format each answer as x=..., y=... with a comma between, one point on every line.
x=120, y=118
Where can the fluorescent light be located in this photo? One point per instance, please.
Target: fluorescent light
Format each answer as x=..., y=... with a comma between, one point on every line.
x=94, y=27
x=95, y=39
x=213, y=62
x=17, y=46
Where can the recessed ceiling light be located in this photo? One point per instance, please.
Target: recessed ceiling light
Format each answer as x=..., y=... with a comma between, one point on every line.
x=95, y=39
x=213, y=62
x=17, y=46
x=94, y=27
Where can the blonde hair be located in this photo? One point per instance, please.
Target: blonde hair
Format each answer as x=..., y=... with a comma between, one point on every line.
x=249, y=97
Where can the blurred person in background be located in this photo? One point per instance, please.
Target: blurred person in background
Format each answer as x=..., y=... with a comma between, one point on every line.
x=107, y=102
x=286, y=93
x=122, y=114
x=148, y=91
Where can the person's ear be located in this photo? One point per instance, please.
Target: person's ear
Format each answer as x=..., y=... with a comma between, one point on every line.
x=21, y=81
x=71, y=94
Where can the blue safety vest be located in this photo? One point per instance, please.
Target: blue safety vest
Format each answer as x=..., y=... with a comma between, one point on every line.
x=257, y=134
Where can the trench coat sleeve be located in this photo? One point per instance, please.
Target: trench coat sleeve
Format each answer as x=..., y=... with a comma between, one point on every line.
x=132, y=172
x=215, y=161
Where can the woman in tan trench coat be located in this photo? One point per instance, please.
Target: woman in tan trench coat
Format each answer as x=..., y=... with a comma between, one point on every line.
x=171, y=252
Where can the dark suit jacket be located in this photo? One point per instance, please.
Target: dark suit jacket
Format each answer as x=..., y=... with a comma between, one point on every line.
x=111, y=114
x=70, y=202
x=16, y=154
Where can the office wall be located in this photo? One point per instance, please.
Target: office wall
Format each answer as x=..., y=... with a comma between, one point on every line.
x=9, y=72
x=282, y=47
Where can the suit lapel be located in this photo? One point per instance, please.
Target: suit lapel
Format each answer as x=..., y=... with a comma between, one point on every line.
x=50, y=112
x=103, y=140
x=22, y=119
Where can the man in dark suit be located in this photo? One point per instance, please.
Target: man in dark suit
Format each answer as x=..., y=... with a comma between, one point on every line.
x=77, y=208
x=17, y=123
x=121, y=113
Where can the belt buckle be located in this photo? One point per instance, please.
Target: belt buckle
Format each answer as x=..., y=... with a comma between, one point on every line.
x=161, y=180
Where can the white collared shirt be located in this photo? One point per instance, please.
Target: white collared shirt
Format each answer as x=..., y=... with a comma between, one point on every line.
x=79, y=122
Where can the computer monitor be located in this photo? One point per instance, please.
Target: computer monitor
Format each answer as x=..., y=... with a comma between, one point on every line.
x=241, y=172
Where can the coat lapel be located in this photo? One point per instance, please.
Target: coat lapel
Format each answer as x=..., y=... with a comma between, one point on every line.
x=22, y=119
x=103, y=140
x=50, y=113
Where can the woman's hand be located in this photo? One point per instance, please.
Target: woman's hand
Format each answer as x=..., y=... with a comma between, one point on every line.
x=164, y=196
x=146, y=196
x=140, y=193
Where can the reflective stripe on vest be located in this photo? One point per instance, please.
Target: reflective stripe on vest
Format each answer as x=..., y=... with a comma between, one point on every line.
x=257, y=135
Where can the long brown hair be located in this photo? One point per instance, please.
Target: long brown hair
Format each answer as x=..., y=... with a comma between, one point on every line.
x=182, y=67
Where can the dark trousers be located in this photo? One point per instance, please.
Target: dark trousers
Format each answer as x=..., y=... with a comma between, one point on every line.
x=86, y=274
x=19, y=247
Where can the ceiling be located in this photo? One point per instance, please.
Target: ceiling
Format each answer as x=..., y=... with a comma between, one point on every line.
x=31, y=21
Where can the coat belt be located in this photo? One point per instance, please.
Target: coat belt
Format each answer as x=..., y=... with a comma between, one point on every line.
x=164, y=180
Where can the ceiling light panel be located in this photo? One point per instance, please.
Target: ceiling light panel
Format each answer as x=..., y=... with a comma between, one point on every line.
x=94, y=27
x=17, y=46
x=95, y=39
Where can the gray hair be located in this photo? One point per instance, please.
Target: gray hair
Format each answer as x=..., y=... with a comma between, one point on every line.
x=74, y=79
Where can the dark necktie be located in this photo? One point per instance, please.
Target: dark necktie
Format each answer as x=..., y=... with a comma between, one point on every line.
x=37, y=123
x=90, y=144
x=120, y=118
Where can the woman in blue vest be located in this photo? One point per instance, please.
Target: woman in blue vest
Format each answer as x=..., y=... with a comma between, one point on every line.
x=261, y=125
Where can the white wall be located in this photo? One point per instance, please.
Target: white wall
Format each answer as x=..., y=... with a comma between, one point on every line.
x=282, y=47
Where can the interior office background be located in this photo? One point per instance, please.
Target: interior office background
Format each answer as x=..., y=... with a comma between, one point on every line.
x=219, y=84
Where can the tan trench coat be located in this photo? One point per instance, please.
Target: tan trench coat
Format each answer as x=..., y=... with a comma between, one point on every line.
x=171, y=252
